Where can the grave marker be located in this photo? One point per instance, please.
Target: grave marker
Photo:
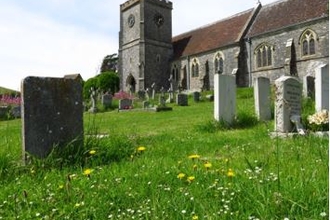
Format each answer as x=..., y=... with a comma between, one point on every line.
x=287, y=103
x=224, y=98
x=262, y=98
x=322, y=88
x=52, y=114
x=182, y=99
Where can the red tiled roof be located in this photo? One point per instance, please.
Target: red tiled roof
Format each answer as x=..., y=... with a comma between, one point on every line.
x=216, y=35
x=286, y=13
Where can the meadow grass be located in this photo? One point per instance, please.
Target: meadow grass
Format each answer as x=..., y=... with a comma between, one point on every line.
x=179, y=164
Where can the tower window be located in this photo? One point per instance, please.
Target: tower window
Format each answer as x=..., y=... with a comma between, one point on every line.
x=264, y=55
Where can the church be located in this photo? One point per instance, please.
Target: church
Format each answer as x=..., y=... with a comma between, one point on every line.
x=287, y=37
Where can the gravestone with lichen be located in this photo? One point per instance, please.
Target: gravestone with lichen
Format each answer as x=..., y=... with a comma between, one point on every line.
x=52, y=114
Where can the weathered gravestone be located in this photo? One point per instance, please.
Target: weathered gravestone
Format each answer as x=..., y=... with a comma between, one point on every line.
x=224, y=98
x=182, y=99
x=106, y=100
x=322, y=88
x=196, y=96
x=125, y=104
x=287, y=103
x=52, y=114
x=309, y=86
x=262, y=98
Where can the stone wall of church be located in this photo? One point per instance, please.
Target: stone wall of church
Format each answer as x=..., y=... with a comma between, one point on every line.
x=305, y=64
x=206, y=62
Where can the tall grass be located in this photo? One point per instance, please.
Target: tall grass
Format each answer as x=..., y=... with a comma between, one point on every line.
x=171, y=165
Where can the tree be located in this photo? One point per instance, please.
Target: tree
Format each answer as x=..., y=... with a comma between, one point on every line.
x=108, y=81
x=109, y=63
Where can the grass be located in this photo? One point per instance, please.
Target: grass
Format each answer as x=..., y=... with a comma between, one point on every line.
x=236, y=172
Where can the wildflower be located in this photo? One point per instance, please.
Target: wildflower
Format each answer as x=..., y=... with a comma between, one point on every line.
x=194, y=156
x=323, y=214
x=207, y=165
x=92, y=152
x=190, y=179
x=141, y=149
x=230, y=173
x=195, y=166
x=181, y=175
x=87, y=172
x=195, y=217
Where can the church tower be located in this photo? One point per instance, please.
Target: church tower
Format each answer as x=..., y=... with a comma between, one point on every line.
x=145, y=44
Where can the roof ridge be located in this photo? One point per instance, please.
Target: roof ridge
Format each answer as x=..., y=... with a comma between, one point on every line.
x=215, y=22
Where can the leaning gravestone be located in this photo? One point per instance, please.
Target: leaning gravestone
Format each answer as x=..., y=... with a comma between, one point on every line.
x=52, y=114
x=224, y=98
x=287, y=103
x=262, y=98
x=322, y=88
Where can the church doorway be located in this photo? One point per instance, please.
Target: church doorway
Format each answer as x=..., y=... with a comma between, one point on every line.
x=130, y=83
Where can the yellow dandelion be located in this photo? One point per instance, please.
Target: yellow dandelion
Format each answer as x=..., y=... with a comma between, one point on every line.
x=195, y=166
x=194, y=156
x=88, y=172
x=207, y=165
x=181, y=175
x=195, y=217
x=230, y=173
x=141, y=149
x=190, y=179
x=92, y=152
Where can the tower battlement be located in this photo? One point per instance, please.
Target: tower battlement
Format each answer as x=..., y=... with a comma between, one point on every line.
x=130, y=3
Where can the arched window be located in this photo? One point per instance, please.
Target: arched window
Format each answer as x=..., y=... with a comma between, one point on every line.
x=307, y=40
x=218, y=63
x=175, y=73
x=195, y=68
x=264, y=55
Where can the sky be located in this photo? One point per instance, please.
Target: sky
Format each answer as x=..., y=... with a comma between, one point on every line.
x=53, y=38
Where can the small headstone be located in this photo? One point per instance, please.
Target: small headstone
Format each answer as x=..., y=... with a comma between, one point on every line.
x=52, y=114
x=182, y=99
x=224, y=98
x=125, y=104
x=106, y=100
x=309, y=86
x=322, y=88
x=262, y=98
x=196, y=96
x=287, y=103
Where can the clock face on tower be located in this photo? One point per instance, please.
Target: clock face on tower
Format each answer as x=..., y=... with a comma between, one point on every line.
x=131, y=20
x=159, y=19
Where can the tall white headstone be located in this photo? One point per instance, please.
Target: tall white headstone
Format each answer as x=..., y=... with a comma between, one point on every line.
x=224, y=98
x=322, y=88
x=262, y=98
x=288, y=94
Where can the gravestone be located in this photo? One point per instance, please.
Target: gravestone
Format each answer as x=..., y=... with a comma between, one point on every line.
x=93, y=96
x=182, y=99
x=287, y=103
x=125, y=104
x=106, y=100
x=224, y=98
x=262, y=98
x=309, y=86
x=196, y=96
x=52, y=114
x=322, y=88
